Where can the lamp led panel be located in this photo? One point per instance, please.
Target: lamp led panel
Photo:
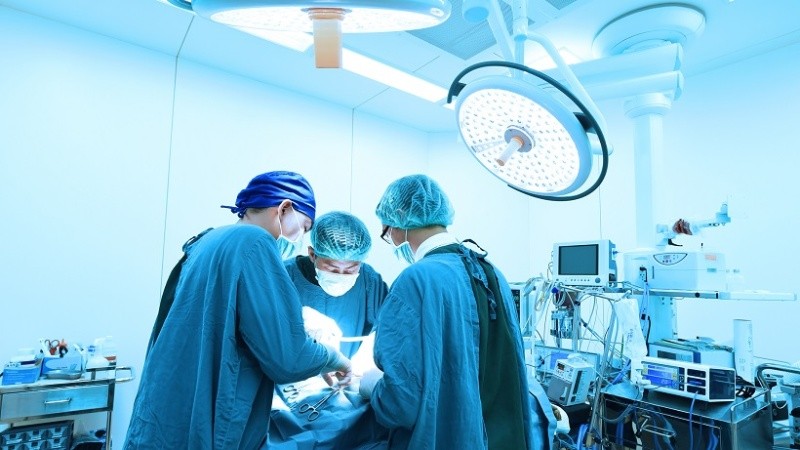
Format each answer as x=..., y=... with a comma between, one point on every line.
x=557, y=157
x=361, y=16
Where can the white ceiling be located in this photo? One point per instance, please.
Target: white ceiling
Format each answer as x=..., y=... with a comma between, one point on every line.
x=734, y=30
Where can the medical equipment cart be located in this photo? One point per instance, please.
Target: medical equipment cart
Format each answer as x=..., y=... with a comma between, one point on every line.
x=52, y=398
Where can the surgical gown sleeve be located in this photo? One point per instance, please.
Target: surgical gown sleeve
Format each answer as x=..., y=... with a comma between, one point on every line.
x=396, y=398
x=271, y=324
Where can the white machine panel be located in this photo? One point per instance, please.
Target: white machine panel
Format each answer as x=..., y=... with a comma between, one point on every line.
x=681, y=270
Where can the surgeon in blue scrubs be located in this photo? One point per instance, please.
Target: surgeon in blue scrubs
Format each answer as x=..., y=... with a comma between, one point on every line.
x=334, y=279
x=232, y=328
x=342, y=296
x=448, y=343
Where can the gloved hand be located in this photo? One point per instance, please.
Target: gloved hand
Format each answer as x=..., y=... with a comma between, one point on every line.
x=368, y=382
x=339, y=365
x=321, y=328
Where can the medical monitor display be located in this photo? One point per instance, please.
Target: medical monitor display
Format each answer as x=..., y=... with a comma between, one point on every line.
x=578, y=260
x=586, y=263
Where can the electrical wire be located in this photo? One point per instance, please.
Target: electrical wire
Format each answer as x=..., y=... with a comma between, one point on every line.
x=691, y=411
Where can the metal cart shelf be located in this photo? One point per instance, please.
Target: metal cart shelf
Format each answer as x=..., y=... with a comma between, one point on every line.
x=46, y=399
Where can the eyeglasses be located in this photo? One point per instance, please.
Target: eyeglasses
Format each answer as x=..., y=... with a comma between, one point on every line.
x=385, y=235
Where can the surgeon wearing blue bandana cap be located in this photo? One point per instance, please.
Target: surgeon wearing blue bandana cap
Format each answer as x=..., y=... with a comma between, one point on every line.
x=230, y=327
x=449, y=349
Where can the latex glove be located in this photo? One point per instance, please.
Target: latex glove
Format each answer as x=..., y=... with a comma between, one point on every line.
x=321, y=328
x=368, y=382
x=339, y=366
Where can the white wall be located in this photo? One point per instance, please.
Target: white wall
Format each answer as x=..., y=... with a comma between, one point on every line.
x=733, y=136
x=84, y=141
x=102, y=181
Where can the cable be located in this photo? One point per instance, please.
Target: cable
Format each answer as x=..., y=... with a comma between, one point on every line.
x=691, y=411
x=713, y=441
x=581, y=435
x=617, y=379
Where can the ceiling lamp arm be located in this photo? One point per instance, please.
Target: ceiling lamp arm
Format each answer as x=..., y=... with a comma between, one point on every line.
x=569, y=75
x=183, y=4
x=457, y=86
x=498, y=27
x=519, y=26
x=476, y=11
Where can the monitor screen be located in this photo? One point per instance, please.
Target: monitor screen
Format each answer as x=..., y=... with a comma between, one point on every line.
x=578, y=259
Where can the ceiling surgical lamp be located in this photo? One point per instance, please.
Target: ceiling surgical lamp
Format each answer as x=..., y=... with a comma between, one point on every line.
x=534, y=142
x=326, y=19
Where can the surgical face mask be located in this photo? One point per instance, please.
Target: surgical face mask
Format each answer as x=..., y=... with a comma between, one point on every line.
x=403, y=252
x=336, y=284
x=287, y=247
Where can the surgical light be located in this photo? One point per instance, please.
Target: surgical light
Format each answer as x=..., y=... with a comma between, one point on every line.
x=327, y=19
x=525, y=136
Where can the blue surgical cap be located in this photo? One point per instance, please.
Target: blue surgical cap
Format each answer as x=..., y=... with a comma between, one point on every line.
x=271, y=188
x=341, y=236
x=414, y=201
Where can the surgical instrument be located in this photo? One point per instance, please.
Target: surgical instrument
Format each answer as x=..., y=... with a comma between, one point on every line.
x=314, y=409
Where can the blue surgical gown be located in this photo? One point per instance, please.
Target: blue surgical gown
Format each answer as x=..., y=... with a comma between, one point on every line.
x=355, y=312
x=348, y=423
x=234, y=330
x=427, y=344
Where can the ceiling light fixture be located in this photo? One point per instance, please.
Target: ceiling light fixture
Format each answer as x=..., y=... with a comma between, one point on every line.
x=524, y=136
x=534, y=142
x=359, y=64
x=327, y=19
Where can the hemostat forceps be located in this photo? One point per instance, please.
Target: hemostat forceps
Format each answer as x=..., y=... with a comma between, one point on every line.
x=314, y=409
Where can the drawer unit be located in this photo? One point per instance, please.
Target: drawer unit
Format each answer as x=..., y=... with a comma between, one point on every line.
x=27, y=404
x=48, y=399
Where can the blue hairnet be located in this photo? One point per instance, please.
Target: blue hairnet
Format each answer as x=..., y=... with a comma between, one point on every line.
x=271, y=188
x=414, y=201
x=341, y=236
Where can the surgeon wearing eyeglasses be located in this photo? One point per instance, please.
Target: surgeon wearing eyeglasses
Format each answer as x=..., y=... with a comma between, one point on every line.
x=451, y=372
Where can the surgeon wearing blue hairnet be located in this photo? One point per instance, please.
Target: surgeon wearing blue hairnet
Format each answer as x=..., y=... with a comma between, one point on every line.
x=230, y=327
x=334, y=279
x=448, y=342
x=341, y=297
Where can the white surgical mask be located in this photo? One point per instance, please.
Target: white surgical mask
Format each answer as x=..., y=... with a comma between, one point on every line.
x=287, y=247
x=336, y=284
x=403, y=252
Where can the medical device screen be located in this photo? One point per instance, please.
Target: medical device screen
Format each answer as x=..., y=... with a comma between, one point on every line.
x=578, y=260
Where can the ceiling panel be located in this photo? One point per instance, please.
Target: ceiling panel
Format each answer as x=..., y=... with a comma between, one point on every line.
x=734, y=30
x=147, y=23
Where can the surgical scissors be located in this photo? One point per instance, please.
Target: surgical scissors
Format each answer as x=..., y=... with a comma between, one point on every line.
x=314, y=414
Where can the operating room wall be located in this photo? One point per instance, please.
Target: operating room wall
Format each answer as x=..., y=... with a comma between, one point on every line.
x=733, y=137
x=111, y=156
